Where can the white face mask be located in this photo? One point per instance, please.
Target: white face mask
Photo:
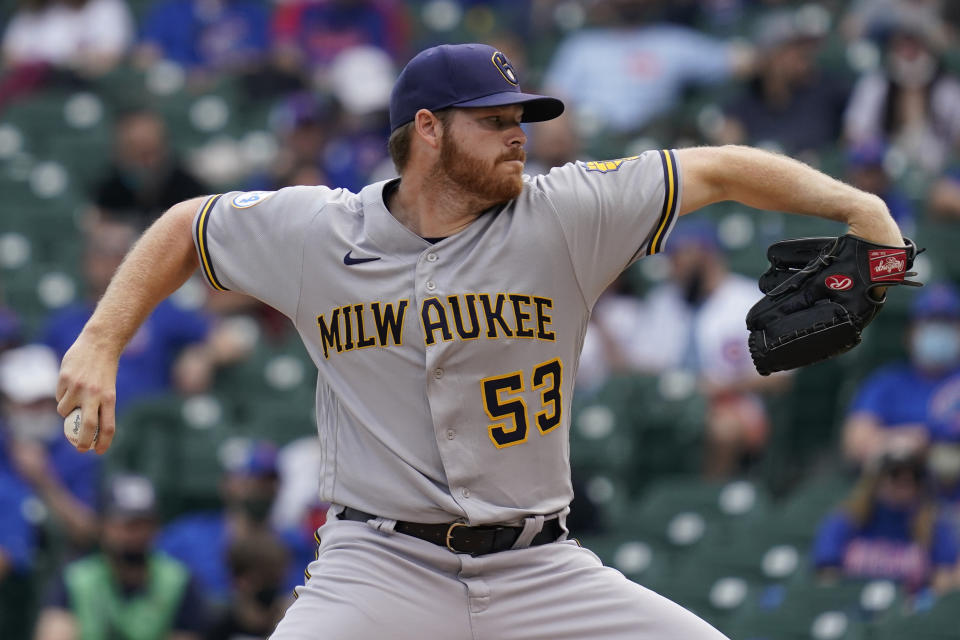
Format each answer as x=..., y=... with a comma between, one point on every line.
x=912, y=73
x=32, y=424
x=944, y=462
x=935, y=345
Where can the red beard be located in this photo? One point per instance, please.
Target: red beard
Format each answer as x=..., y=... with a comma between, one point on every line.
x=478, y=177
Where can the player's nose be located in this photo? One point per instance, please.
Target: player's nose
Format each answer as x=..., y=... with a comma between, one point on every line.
x=516, y=136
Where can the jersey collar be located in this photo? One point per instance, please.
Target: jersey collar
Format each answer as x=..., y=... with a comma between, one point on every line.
x=382, y=228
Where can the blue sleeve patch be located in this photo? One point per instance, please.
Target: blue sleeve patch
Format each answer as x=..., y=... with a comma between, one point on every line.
x=251, y=198
x=604, y=166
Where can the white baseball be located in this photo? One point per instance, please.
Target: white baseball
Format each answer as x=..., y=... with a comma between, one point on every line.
x=72, y=424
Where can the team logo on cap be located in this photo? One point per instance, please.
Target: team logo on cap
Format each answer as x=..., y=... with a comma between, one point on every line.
x=505, y=68
x=250, y=198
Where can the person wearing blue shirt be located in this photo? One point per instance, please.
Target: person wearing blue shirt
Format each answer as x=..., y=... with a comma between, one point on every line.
x=211, y=35
x=202, y=540
x=624, y=72
x=890, y=528
x=896, y=403
x=148, y=363
x=36, y=461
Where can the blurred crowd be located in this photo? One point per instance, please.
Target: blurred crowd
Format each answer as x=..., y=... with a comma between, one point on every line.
x=868, y=90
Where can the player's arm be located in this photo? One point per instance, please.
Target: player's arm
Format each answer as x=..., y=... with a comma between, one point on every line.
x=157, y=265
x=775, y=182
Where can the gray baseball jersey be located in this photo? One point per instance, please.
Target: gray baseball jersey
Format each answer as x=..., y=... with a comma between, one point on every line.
x=445, y=370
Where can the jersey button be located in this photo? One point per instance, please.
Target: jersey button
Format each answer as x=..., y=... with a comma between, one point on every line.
x=465, y=492
x=431, y=257
x=451, y=434
x=431, y=285
x=438, y=373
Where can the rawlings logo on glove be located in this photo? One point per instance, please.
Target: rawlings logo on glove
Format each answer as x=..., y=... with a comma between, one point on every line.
x=819, y=297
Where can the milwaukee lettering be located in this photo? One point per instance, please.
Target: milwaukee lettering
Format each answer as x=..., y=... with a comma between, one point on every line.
x=465, y=316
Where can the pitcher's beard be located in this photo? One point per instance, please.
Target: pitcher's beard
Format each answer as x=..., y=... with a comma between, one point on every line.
x=478, y=178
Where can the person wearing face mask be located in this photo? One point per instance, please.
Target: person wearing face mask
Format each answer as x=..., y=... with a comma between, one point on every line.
x=890, y=527
x=35, y=459
x=897, y=402
x=146, y=178
x=258, y=564
x=912, y=103
x=697, y=316
x=126, y=591
x=248, y=489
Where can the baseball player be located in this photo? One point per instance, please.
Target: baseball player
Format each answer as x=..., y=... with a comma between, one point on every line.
x=445, y=311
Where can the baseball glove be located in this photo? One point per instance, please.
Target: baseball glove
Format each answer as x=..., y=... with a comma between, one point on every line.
x=819, y=297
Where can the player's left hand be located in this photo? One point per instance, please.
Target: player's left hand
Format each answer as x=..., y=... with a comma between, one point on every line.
x=820, y=294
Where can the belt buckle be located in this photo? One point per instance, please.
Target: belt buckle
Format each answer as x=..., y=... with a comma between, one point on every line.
x=449, y=535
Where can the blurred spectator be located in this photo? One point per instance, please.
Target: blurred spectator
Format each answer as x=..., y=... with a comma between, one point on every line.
x=866, y=170
x=212, y=35
x=895, y=403
x=127, y=590
x=11, y=333
x=944, y=196
x=341, y=136
x=35, y=458
x=612, y=343
x=258, y=568
x=84, y=35
x=175, y=347
x=298, y=506
x=249, y=490
x=694, y=322
x=790, y=101
x=552, y=145
x=866, y=17
x=943, y=463
x=146, y=178
x=623, y=73
x=912, y=102
x=890, y=527
x=304, y=124
x=309, y=34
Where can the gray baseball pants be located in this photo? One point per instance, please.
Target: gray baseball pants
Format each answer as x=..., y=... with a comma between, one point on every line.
x=369, y=583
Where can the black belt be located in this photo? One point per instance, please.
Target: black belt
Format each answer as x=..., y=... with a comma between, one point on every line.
x=460, y=538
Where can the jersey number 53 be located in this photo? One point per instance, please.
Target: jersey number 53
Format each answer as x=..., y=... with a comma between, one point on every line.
x=507, y=409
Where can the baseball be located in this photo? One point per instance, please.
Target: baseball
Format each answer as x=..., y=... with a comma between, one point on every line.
x=71, y=427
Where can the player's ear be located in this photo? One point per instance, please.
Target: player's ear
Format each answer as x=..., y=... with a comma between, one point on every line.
x=429, y=127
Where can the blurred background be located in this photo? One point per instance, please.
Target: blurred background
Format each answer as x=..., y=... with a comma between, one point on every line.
x=819, y=504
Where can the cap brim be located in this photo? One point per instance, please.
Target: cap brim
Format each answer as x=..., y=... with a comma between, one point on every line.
x=535, y=108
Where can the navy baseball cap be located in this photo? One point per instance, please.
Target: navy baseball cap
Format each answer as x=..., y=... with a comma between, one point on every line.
x=463, y=75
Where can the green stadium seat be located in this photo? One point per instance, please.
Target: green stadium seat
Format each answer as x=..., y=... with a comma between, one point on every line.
x=712, y=592
x=941, y=622
x=681, y=513
x=176, y=442
x=640, y=560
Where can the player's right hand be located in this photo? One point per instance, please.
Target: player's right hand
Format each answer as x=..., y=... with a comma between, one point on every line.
x=88, y=380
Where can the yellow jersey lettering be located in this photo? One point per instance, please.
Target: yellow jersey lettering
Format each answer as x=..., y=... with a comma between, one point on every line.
x=518, y=300
x=494, y=315
x=430, y=326
x=330, y=334
x=362, y=340
x=389, y=322
x=543, y=319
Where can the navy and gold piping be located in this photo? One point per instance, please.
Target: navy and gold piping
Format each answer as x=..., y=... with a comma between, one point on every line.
x=206, y=263
x=671, y=185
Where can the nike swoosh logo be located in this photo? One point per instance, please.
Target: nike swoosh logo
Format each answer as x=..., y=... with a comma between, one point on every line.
x=348, y=259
